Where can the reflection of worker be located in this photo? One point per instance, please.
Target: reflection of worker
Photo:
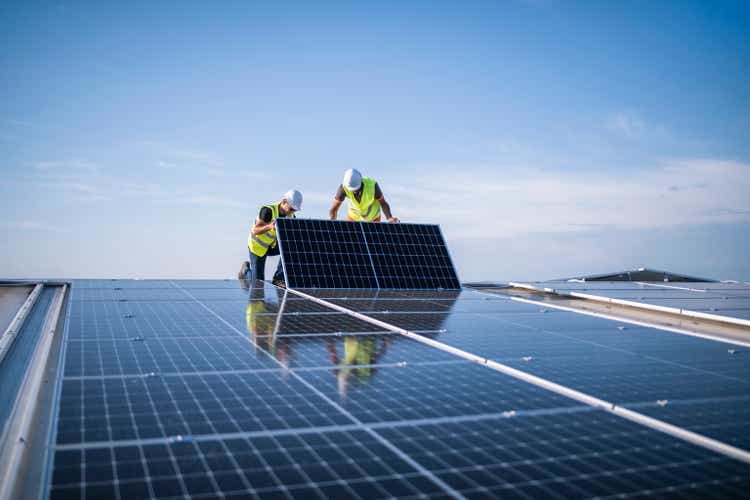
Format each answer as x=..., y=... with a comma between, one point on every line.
x=365, y=199
x=361, y=353
x=262, y=239
x=262, y=316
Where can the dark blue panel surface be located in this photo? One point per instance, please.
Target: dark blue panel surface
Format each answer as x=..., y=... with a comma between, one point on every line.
x=325, y=254
x=235, y=393
x=591, y=454
x=410, y=256
x=347, y=464
x=343, y=254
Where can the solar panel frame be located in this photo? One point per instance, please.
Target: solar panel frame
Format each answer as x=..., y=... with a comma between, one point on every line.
x=427, y=265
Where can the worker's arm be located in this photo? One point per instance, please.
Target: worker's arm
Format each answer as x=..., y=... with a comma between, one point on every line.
x=387, y=211
x=334, y=209
x=262, y=227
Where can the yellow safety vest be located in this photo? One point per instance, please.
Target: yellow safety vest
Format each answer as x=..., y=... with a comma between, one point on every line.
x=256, y=321
x=359, y=352
x=367, y=208
x=260, y=243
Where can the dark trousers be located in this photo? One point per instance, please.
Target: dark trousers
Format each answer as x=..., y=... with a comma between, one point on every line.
x=257, y=269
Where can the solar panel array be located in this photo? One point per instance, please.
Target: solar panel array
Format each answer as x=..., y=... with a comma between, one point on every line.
x=208, y=389
x=345, y=254
x=728, y=300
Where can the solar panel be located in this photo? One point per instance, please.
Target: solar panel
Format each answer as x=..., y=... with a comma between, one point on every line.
x=631, y=366
x=410, y=256
x=721, y=301
x=166, y=397
x=344, y=254
x=325, y=254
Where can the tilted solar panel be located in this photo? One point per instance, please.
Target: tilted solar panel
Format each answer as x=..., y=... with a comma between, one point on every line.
x=410, y=256
x=344, y=254
x=325, y=254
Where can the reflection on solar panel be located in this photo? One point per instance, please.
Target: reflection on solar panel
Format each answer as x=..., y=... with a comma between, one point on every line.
x=342, y=254
x=205, y=390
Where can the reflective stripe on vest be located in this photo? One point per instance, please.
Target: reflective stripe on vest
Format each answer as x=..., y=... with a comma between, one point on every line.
x=367, y=208
x=260, y=243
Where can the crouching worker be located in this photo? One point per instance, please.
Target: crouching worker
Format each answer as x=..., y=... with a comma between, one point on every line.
x=262, y=239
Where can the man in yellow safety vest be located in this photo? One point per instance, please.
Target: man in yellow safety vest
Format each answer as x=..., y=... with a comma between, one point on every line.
x=365, y=199
x=262, y=239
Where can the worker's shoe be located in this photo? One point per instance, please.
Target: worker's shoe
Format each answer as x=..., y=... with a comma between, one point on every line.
x=243, y=271
x=279, y=283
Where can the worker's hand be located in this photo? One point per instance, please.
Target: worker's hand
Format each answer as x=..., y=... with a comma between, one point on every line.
x=393, y=219
x=271, y=225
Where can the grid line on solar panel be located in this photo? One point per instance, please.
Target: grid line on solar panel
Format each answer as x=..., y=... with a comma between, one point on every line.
x=296, y=369
x=724, y=419
x=430, y=391
x=228, y=475
x=623, y=371
x=318, y=253
x=344, y=254
x=410, y=256
x=703, y=441
x=137, y=408
x=632, y=383
x=322, y=465
x=526, y=457
x=341, y=410
x=595, y=454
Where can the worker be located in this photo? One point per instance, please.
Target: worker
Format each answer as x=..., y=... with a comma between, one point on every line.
x=262, y=239
x=365, y=199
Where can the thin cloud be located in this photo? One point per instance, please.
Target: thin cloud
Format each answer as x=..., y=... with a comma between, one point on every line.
x=181, y=154
x=520, y=201
x=627, y=123
x=66, y=165
x=213, y=201
x=34, y=225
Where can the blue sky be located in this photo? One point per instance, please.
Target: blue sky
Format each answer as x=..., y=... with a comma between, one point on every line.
x=548, y=138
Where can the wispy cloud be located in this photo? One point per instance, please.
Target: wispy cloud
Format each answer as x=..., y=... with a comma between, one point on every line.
x=627, y=123
x=33, y=225
x=474, y=202
x=66, y=165
x=213, y=201
x=171, y=153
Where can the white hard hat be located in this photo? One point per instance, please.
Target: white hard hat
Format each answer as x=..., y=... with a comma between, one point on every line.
x=352, y=179
x=294, y=198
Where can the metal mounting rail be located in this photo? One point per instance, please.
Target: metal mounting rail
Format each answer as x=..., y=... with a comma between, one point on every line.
x=639, y=418
x=13, y=450
x=10, y=334
x=637, y=305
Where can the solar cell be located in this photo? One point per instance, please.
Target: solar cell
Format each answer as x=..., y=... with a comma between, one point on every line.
x=344, y=254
